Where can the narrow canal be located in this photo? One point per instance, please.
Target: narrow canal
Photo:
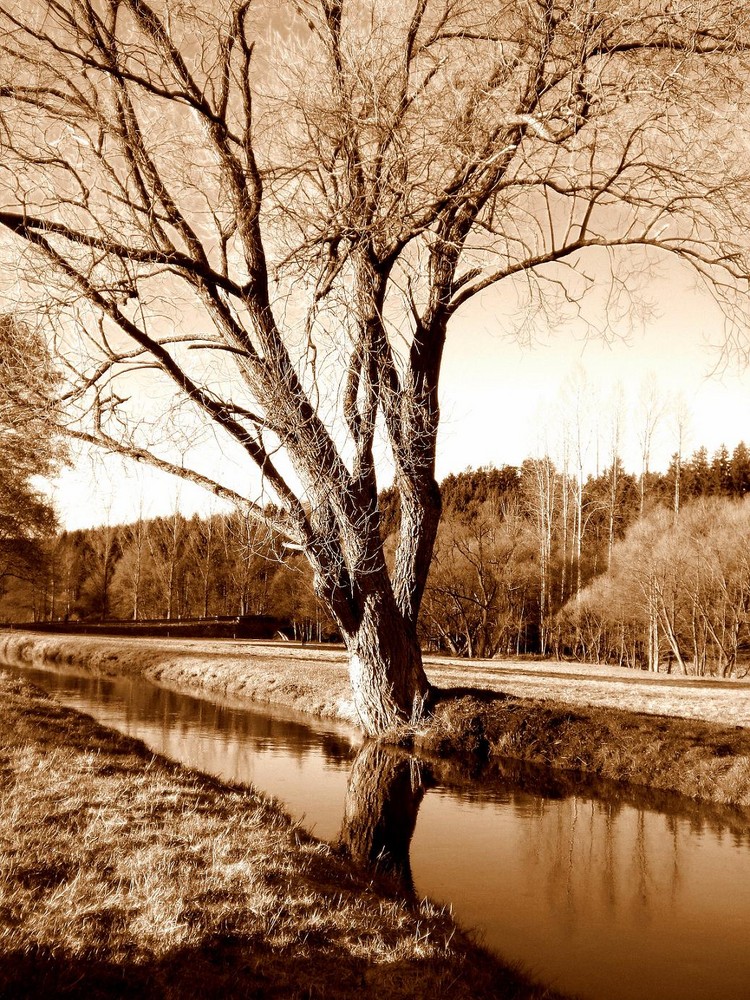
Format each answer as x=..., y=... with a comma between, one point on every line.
x=597, y=896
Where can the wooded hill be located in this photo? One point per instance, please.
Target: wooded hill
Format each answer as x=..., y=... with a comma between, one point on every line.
x=638, y=571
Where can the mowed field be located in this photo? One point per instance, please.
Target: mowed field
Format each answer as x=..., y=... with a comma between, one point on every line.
x=726, y=701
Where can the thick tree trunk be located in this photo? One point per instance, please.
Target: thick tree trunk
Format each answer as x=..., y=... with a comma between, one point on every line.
x=388, y=681
x=389, y=685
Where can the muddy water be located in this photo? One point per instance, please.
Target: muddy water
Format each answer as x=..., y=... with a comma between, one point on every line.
x=595, y=896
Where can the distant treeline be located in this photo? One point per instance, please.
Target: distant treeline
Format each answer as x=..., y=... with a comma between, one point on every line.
x=640, y=571
x=167, y=568
x=607, y=568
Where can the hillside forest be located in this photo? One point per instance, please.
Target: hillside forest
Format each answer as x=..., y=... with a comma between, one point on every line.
x=648, y=572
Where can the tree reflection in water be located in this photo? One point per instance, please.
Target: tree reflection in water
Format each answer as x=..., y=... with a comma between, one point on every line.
x=383, y=795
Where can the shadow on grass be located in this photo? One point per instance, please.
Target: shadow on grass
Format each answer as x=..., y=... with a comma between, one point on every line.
x=440, y=695
x=229, y=969
x=221, y=969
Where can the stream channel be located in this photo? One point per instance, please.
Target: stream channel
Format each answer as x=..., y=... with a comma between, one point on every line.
x=594, y=892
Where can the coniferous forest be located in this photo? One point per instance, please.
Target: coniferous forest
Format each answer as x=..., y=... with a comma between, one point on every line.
x=650, y=572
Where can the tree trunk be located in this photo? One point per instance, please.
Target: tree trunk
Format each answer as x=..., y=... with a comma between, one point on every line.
x=377, y=621
x=673, y=641
x=388, y=681
x=138, y=569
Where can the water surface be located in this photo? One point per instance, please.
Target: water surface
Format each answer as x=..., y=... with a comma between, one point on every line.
x=611, y=900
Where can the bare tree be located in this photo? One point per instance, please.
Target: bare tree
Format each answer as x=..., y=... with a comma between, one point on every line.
x=617, y=409
x=202, y=540
x=165, y=539
x=681, y=428
x=134, y=543
x=264, y=218
x=651, y=408
x=479, y=582
x=540, y=489
x=577, y=416
x=104, y=553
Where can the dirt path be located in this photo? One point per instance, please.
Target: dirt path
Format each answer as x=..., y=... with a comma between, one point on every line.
x=714, y=700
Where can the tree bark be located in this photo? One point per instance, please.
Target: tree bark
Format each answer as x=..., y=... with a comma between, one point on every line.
x=389, y=685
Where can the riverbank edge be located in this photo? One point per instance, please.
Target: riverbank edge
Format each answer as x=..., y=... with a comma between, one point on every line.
x=694, y=759
x=122, y=872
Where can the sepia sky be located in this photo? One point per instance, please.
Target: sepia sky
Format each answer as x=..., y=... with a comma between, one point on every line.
x=504, y=401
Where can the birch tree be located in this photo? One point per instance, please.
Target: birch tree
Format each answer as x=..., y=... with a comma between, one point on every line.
x=651, y=408
x=540, y=494
x=265, y=219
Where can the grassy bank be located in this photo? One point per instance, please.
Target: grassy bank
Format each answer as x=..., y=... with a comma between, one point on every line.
x=315, y=679
x=678, y=751
x=700, y=760
x=124, y=875
x=302, y=678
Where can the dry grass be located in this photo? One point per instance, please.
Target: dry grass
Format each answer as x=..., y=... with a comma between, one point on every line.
x=710, y=700
x=316, y=681
x=699, y=760
x=124, y=875
x=304, y=678
x=607, y=722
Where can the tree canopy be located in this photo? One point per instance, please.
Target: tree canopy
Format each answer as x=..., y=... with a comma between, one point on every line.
x=28, y=448
x=262, y=219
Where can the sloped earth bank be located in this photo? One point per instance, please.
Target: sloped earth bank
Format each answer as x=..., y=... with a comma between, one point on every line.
x=122, y=875
x=677, y=734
